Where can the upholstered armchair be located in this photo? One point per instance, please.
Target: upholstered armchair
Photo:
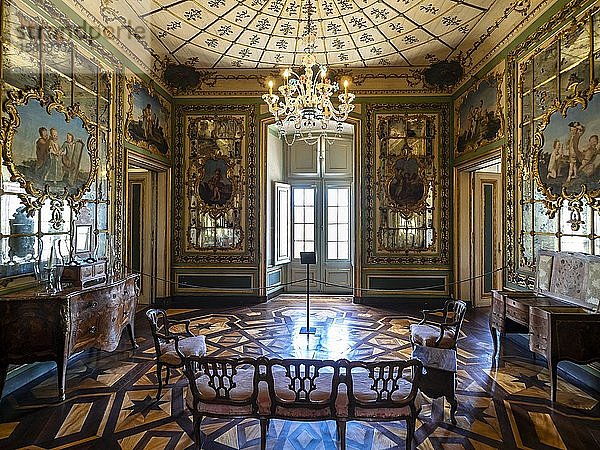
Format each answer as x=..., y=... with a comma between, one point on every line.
x=172, y=347
x=439, y=327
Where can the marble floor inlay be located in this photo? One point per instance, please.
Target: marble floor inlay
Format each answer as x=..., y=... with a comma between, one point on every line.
x=111, y=397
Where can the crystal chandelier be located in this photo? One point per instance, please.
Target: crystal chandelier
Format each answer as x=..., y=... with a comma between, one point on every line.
x=305, y=103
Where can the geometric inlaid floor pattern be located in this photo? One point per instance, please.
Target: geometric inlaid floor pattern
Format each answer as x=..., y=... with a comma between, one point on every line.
x=111, y=396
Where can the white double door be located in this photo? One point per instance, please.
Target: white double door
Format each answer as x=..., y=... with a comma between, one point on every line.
x=322, y=222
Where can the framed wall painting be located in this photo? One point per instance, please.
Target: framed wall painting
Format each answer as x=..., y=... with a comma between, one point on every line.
x=148, y=123
x=566, y=153
x=479, y=116
x=49, y=148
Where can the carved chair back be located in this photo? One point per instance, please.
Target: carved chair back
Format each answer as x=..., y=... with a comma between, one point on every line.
x=159, y=326
x=225, y=381
x=382, y=384
x=454, y=312
x=302, y=383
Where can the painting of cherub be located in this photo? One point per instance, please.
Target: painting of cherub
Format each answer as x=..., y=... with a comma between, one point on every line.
x=570, y=155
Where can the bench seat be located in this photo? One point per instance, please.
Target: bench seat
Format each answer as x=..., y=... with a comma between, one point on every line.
x=302, y=389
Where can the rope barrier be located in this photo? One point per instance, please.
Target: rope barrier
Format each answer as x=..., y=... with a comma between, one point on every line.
x=325, y=283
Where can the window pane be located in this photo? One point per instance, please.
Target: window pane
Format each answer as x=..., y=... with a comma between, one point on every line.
x=298, y=232
x=343, y=215
x=332, y=197
x=309, y=197
x=298, y=197
x=343, y=233
x=309, y=232
x=309, y=214
x=332, y=235
x=343, y=197
x=309, y=247
x=331, y=251
x=298, y=214
x=332, y=215
x=343, y=250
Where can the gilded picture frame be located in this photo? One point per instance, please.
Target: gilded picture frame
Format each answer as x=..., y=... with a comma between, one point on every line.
x=49, y=148
x=479, y=114
x=565, y=159
x=148, y=120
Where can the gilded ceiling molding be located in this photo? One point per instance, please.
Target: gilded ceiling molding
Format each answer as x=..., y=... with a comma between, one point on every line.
x=510, y=36
x=109, y=14
x=519, y=6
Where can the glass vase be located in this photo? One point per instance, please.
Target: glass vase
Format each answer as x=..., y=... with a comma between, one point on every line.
x=56, y=265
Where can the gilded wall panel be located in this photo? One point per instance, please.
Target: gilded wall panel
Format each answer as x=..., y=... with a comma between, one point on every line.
x=62, y=153
x=553, y=164
x=407, y=184
x=215, y=184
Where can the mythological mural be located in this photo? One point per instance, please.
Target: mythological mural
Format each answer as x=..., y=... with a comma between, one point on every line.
x=50, y=151
x=479, y=114
x=148, y=119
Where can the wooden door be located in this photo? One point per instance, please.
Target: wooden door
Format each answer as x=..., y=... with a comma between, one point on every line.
x=487, y=236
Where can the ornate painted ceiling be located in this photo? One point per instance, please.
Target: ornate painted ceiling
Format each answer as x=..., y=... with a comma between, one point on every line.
x=267, y=34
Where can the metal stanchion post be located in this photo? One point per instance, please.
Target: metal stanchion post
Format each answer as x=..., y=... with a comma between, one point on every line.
x=308, y=258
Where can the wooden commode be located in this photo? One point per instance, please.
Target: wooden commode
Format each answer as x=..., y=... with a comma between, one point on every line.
x=36, y=326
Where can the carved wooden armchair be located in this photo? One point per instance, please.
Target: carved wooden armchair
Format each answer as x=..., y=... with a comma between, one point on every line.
x=439, y=327
x=380, y=391
x=172, y=346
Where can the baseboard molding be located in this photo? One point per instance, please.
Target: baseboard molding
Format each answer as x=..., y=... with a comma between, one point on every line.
x=402, y=302
x=211, y=301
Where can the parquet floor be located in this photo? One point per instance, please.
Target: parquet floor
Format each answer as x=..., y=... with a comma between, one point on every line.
x=111, y=396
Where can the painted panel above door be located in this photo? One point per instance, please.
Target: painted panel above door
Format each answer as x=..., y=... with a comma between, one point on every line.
x=302, y=159
x=338, y=157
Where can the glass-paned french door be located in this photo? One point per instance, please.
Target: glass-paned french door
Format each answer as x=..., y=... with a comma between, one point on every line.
x=322, y=223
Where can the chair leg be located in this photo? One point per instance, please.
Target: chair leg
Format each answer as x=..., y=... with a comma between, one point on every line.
x=159, y=368
x=168, y=375
x=264, y=428
x=410, y=432
x=341, y=433
x=197, y=436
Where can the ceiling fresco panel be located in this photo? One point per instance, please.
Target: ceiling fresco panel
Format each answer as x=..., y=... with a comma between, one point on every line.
x=350, y=33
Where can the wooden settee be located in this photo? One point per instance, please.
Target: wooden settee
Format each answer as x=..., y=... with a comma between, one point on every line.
x=303, y=389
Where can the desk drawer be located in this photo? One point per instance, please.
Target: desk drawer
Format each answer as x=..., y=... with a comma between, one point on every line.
x=517, y=312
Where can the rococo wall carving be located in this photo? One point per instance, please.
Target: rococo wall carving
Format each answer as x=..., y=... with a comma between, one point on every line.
x=407, y=184
x=215, y=184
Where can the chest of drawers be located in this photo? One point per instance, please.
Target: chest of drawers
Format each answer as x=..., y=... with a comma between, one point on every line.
x=37, y=326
